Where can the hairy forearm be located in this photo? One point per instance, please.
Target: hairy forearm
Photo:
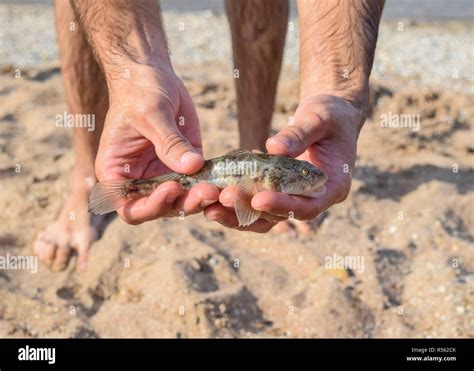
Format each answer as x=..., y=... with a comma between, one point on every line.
x=338, y=40
x=123, y=33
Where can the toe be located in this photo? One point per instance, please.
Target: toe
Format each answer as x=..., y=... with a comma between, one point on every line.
x=282, y=227
x=48, y=242
x=302, y=227
x=286, y=227
x=82, y=256
x=82, y=242
x=63, y=254
x=38, y=244
x=44, y=248
x=47, y=252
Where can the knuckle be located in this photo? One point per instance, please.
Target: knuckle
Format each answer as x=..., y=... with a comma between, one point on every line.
x=171, y=143
x=151, y=108
x=164, y=105
x=296, y=134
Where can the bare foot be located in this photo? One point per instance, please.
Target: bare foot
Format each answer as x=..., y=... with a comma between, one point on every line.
x=295, y=228
x=74, y=229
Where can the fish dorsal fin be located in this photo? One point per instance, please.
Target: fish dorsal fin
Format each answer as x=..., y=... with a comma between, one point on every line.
x=167, y=177
x=237, y=152
x=245, y=191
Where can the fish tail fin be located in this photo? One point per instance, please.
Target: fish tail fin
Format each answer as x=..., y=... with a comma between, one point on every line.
x=108, y=196
x=112, y=194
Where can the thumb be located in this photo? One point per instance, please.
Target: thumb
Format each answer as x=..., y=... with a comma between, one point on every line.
x=171, y=146
x=305, y=129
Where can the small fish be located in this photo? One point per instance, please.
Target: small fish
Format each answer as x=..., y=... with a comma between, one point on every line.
x=251, y=172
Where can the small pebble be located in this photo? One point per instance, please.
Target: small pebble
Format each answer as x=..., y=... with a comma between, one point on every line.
x=460, y=310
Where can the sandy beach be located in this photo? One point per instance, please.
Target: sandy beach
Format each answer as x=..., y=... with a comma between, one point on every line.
x=408, y=223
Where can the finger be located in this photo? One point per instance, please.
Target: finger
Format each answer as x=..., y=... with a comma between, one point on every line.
x=298, y=207
x=294, y=139
x=272, y=217
x=197, y=199
x=158, y=204
x=227, y=197
x=171, y=146
x=188, y=122
x=227, y=218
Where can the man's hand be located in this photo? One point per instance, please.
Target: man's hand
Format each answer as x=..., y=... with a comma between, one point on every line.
x=324, y=132
x=337, y=45
x=151, y=129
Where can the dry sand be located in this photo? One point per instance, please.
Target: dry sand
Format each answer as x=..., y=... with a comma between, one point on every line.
x=409, y=216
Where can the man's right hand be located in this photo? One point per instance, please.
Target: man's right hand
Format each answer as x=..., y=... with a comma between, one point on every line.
x=151, y=129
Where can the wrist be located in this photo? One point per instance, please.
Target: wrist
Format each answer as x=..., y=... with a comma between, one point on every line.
x=125, y=77
x=332, y=105
x=354, y=92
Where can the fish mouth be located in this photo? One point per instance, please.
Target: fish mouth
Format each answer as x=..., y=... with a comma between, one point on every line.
x=324, y=178
x=319, y=189
x=316, y=190
x=321, y=181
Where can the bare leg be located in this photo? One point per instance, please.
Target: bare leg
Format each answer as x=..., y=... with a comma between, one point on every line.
x=86, y=93
x=258, y=29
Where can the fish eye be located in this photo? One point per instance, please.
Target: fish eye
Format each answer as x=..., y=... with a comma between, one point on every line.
x=304, y=171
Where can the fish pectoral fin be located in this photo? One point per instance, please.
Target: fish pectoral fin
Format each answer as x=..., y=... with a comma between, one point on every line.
x=242, y=202
x=245, y=214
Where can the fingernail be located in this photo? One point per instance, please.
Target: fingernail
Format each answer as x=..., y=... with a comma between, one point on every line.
x=172, y=196
x=259, y=205
x=190, y=157
x=226, y=200
x=205, y=203
x=282, y=140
